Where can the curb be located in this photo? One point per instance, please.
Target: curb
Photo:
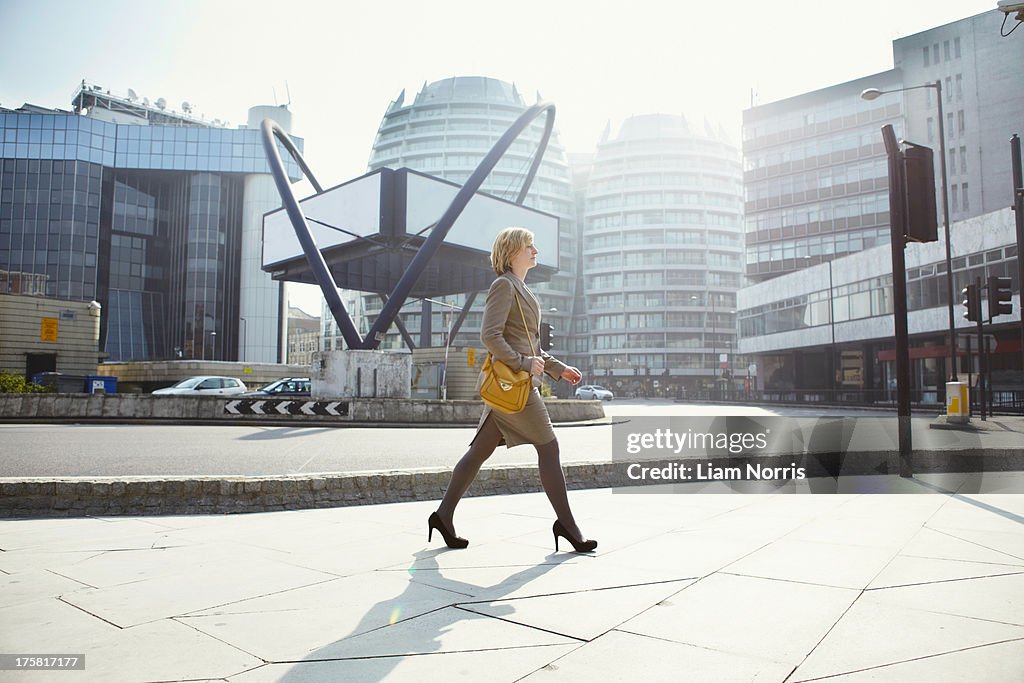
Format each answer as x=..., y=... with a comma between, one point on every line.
x=82, y=497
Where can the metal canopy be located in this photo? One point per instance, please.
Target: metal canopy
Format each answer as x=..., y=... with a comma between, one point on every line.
x=369, y=230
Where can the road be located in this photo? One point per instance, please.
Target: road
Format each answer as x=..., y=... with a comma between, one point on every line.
x=109, y=450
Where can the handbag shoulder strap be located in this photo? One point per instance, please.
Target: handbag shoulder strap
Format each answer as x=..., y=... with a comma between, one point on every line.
x=529, y=338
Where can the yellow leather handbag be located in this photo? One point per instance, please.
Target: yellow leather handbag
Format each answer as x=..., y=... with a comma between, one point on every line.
x=503, y=388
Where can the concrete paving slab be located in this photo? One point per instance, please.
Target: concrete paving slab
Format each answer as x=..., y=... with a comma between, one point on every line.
x=930, y=543
x=583, y=614
x=823, y=564
x=909, y=571
x=997, y=663
x=79, y=534
x=333, y=556
x=113, y=568
x=446, y=630
x=499, y=666
x=742, y=615
x=33, y=585
x=684, y=554
x=190, y=589
x=58, y=625
x=628, y=657
x=873, y=634
x=493, y=583
x=1009, y=543
x=996, y=598
x=961, y=514
x=288, y=626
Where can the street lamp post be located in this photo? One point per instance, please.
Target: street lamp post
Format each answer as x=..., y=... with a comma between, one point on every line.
x=873, y=93
x=245, y=328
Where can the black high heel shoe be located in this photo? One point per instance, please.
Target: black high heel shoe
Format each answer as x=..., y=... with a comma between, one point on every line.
x=579, y=546
x=450, y=539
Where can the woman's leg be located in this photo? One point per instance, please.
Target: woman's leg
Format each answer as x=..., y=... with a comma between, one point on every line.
x=553, y=481
x=487, y=439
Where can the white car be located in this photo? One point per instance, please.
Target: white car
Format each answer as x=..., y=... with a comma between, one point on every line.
x=592, y=392
x=204, y=385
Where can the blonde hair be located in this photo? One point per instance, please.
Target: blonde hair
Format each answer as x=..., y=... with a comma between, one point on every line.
x=506, y=245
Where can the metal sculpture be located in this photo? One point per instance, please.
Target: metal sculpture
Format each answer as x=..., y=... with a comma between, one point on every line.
x=396, y=299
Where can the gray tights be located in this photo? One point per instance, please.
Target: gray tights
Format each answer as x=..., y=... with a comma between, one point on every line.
x=487, y=439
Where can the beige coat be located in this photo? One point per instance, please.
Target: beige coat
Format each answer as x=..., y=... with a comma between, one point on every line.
x=506, y=338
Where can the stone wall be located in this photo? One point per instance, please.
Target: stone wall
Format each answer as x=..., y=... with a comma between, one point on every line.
x=132, y=407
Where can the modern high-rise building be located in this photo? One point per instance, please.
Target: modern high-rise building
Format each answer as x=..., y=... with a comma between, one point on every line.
x=815, y=176
x=819, y=317
x=662, y=256
x=153, y=213
x=445, y=132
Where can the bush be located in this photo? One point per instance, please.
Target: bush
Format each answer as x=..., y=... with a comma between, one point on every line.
x=16, y=384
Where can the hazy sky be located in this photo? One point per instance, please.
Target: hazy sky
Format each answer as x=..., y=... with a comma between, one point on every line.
x=344, y=62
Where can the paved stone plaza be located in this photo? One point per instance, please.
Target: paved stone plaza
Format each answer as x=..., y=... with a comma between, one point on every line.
x=923, y=585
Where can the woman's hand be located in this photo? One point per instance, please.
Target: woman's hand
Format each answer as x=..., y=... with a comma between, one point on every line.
x=537, y=367
x=572, y=375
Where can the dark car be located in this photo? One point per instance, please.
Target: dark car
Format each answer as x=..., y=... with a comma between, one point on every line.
x=282, y=388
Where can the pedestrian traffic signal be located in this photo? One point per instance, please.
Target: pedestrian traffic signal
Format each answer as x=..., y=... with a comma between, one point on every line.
x=999, y=296
x=919, y=185
x=972, y=302
x=547, y=335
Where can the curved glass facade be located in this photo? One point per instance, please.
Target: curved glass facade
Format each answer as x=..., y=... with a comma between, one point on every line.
x=446, y=131
x=145, y=219
x=662, y=255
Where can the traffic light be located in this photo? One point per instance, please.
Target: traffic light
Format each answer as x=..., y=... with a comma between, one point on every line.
x=547, y=335
x=972, y=302
x=999, y=296
x=919, y=185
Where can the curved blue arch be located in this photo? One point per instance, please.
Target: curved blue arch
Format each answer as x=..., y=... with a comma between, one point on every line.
x=328, y=287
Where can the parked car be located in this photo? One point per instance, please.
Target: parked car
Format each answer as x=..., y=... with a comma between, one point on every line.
x=590, y=392
x=204, y=385
x=289, y=386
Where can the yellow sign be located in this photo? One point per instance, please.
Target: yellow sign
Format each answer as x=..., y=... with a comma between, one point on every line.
x=48, y=330
x=247, y=371
x=471, y=357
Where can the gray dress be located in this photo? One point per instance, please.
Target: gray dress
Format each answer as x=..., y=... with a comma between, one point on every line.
x=505, y=337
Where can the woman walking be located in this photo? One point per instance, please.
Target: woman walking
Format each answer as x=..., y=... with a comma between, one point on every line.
x=511, y=333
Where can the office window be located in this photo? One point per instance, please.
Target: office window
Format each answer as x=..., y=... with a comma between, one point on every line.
x=954, y=197
x=926, y=59
x=935, y=53
x=945, y=49
x=931, y=129
x=949, y=125
x=961, y=123
x=959, y=86
x=963, y=191
x=952, y=160
x=963, y=160
x=949, y=89
x=956, y=47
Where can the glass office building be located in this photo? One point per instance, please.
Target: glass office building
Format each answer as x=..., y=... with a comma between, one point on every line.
x=818, y=321
x=137, y=208
x=662, y=256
